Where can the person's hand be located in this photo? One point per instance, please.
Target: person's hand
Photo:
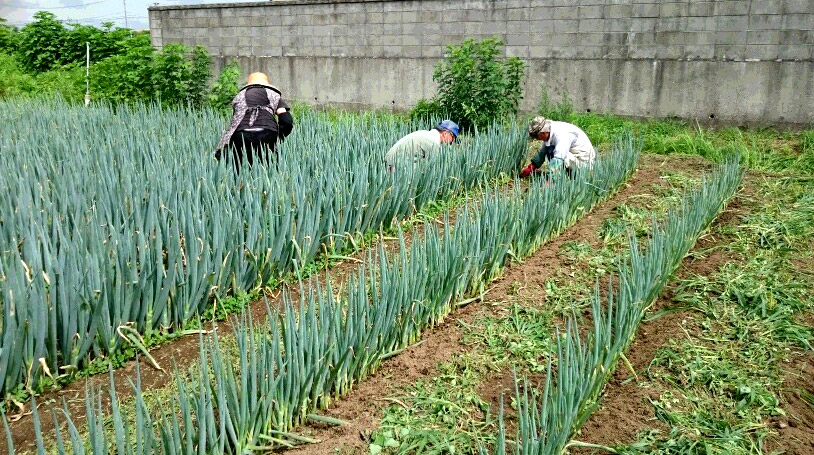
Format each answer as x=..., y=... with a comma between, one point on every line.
x=527, y=170
x=281, y=110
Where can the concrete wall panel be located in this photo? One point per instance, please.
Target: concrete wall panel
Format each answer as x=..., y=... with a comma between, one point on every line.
x=737, y=60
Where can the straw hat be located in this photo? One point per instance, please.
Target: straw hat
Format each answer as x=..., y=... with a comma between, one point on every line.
x=258, y=78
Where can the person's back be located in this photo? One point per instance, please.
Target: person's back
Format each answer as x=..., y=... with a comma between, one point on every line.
x=571, y=145
x=414, y=146
x=572, y=134
x=253, y=130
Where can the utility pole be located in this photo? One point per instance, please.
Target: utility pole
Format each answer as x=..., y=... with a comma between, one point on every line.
x=126, y=25
x=87, y=73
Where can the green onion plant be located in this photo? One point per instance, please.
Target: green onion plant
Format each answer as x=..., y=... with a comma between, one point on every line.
x=549, y=418
x=321, y=344
x=121, y=217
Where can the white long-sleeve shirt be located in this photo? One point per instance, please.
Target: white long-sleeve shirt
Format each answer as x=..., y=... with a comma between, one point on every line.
x=571, y=144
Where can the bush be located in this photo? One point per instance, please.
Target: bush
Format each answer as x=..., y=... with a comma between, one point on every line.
x=225, y=88
x=475, y=85
x=13, y=80
x=67, y=82
x=141, y=73
x=124, y=78
x=199, y=74
x=42, y=43
x=8, y=37
x=49, y=58
x=426, y=110
x=104, y=42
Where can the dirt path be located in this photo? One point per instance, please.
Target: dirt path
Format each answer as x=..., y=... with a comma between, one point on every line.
x=625, y=408
x=363, y=407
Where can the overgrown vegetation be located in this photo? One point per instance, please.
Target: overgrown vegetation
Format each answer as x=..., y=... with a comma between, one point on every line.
x=47, y=57
x=476, y=86
x=764, y=149
x=720, y=387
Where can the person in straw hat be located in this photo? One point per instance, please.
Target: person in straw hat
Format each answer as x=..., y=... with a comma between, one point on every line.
x=564, y=146
x=261, y=117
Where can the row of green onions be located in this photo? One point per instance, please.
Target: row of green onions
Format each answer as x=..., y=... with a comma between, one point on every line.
x=313, y=351
x=550, y=417
x=120, y=221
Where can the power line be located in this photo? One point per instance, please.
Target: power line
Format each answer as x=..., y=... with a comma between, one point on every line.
x=43, y=8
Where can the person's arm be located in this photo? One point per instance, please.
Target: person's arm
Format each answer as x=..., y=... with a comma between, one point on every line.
x=284, y=120
x=545, y=153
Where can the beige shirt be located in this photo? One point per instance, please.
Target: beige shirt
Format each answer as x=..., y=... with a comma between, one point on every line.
x=414, y=146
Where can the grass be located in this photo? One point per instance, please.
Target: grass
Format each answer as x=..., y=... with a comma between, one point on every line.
x=721, y=384
x=763, y=149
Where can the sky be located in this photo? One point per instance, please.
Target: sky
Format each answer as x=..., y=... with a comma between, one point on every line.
x=93, y=12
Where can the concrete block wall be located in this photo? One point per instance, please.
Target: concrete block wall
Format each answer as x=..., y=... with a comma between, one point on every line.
x=744, y=61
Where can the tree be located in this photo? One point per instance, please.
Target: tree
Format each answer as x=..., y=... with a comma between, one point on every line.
x=41, y=43
x=8, y=37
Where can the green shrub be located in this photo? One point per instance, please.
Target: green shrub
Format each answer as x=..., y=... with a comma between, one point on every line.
x=103, y=42
x=199, y=74
x=42, y=43
x=46, y=43
x=475, y=85
x=67, y=82
x=8, y=37
x=124, y=78
x=426, y=109
x=141, y=74
x=225, y=87
x=13, y=80
x=172, y=75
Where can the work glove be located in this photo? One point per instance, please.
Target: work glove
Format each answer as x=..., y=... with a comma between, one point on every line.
x=527, y=170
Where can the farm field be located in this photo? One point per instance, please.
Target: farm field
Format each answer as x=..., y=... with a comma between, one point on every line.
x=451, y=290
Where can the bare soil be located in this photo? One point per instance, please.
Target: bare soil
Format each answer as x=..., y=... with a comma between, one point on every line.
x=794, y=434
